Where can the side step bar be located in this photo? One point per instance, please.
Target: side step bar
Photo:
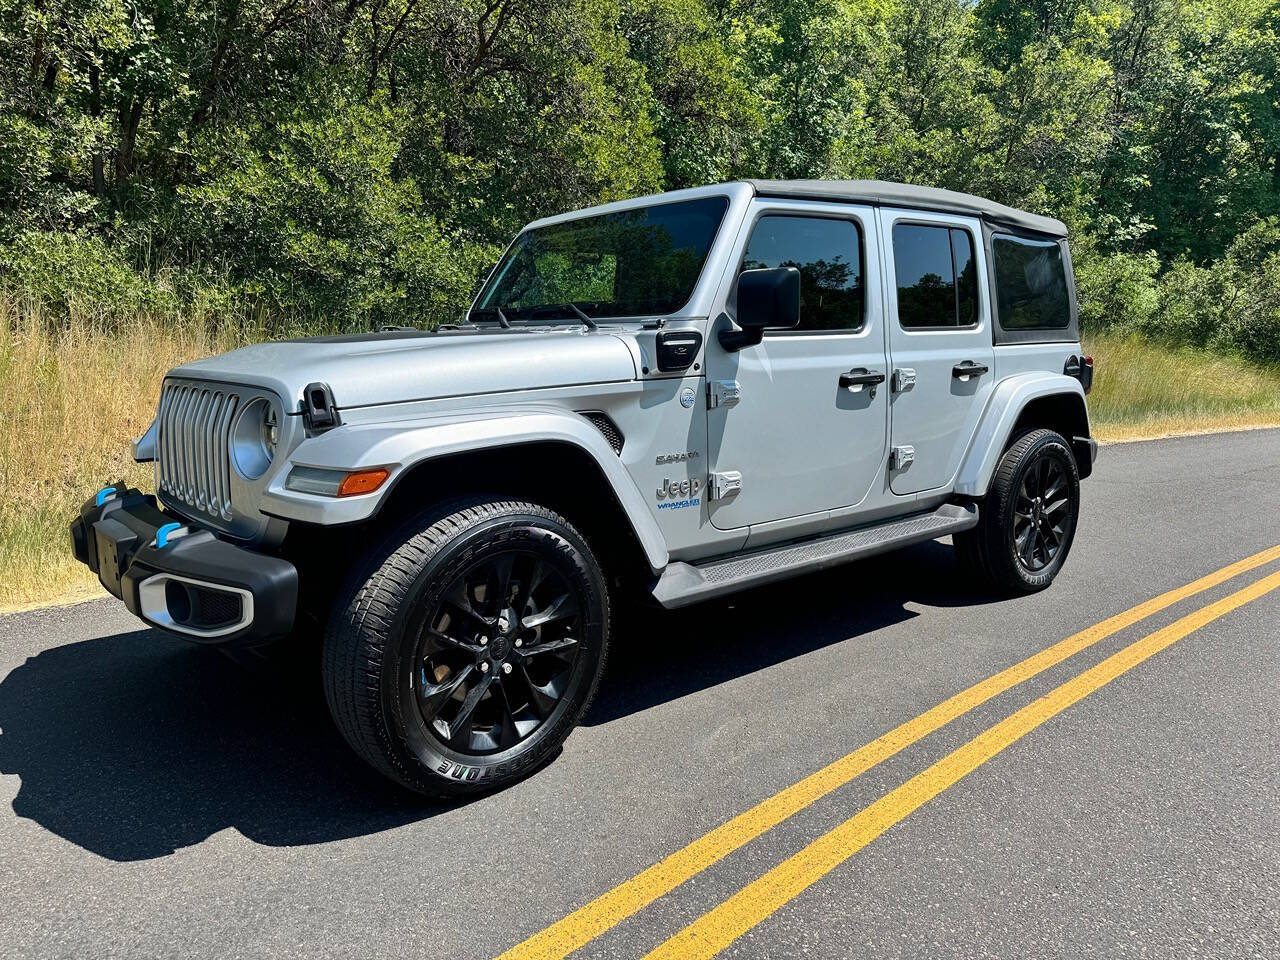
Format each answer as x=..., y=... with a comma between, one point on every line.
x=684, y=583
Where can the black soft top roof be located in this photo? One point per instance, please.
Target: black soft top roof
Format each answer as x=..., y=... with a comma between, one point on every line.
x=906, y=195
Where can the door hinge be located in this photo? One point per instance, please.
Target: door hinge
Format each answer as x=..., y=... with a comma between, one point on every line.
x=723, y=393
x=904, y=378
x=721, y=486
x=901, y=457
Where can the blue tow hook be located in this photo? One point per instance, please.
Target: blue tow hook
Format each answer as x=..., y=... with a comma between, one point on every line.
x=103, y=495
x=162, y=534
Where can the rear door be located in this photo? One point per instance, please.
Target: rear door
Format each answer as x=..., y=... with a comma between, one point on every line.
x=940, y=343
x=801, y=442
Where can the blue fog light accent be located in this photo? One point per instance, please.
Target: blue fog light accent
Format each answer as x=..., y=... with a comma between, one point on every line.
x=162, y=535
x=102, y=496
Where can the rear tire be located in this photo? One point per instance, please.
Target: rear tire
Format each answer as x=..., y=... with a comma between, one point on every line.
x=1027, y=521
x=465, y=649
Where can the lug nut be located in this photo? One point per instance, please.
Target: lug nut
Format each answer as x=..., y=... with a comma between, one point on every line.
x=519, y=642
x=506, y=668
x=484, y=667
x=484, y=641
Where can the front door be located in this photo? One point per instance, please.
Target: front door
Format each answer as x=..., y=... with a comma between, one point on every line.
x=939, y=341
x=802, y=440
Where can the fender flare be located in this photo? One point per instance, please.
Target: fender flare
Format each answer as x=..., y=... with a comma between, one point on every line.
x=401, y=445
x=1008, y=400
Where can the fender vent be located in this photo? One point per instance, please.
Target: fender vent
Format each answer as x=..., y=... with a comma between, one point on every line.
x=607, y=427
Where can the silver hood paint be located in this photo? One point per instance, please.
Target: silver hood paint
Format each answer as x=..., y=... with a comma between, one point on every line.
x=396, y=367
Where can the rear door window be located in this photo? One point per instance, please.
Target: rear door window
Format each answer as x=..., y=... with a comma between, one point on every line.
x=1031, y=283
x=936, y=276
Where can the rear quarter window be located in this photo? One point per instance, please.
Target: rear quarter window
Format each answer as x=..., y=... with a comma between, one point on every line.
x=1031, y=283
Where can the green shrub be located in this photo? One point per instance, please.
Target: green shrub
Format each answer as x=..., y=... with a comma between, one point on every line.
x=77, y=277
x=1250, y=320
x=1189, y=305
x=308, y=215
x=1231, y=304
x=1116, y=290
x=79, y=274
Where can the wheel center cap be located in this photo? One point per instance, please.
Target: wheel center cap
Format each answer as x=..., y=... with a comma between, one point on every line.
x=500, y=647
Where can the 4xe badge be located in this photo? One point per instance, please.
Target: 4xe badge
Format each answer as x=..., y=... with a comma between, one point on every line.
x=678, y=494
x=688, y=397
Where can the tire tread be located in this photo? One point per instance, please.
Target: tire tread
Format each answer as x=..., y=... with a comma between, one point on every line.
x=982, y=548
x=363, y=622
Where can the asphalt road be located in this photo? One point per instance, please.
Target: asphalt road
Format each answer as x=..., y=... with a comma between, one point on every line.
x=159, y=800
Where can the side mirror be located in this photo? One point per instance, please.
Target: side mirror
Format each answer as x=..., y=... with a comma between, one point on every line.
x=767, y=300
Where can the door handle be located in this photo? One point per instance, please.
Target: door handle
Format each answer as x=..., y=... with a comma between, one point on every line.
x=859, y=377
x=963, y=371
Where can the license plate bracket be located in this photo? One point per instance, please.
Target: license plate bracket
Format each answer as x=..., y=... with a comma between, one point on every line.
x=116, y=545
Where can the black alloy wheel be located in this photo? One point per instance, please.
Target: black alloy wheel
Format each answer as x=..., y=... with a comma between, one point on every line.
x=496, y=653
x=1027, y=520
x=1041, y=514
x=468, y=645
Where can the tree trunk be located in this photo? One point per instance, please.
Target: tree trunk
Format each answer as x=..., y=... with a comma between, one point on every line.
x=130, y=117
x=95, y=111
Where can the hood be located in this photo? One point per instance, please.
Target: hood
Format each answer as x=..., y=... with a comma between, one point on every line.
x=399, y=366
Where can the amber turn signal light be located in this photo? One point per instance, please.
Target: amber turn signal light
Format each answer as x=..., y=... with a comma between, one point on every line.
x=362, y=481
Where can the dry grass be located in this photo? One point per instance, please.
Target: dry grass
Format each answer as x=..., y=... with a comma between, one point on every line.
x=71, y=403
x=72, y=399
x=1144, y=390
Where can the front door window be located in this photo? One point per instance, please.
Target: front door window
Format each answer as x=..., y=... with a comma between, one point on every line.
x=828, y=254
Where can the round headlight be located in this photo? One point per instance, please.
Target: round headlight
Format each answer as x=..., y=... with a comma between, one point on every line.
x=254, y=439
x=270, y=433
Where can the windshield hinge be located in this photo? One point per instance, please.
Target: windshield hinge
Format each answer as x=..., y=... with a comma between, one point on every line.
x=723, y=393
x=721, y=486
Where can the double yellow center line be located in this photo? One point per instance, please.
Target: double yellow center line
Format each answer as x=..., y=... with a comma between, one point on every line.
x=717, y=929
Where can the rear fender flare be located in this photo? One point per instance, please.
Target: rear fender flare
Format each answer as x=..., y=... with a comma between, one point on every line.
x=1008, y=400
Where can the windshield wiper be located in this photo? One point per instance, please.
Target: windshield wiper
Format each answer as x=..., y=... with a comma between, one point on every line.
x=591, y=324
x=576, y=310
x=503, y=322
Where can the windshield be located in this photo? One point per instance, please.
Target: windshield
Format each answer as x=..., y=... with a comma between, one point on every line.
x=638, y=262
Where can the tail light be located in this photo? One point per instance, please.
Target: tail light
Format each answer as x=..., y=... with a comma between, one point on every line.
x=1082, y=369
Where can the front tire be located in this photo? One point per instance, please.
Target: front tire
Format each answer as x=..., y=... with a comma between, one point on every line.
x=1027, y=521
x=463, y=652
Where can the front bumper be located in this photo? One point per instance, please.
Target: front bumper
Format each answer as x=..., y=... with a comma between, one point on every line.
x=180, y=577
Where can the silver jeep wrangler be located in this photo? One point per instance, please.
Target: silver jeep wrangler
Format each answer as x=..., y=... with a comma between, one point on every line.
x=682, y=396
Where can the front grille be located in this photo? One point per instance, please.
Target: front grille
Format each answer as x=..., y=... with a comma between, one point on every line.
x=191, y=450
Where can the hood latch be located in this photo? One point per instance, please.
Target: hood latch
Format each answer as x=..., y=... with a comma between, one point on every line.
x=319, y=410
